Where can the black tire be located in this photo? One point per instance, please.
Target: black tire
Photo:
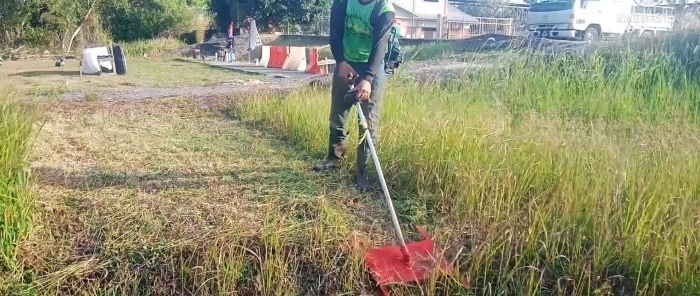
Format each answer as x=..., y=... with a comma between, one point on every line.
x=119, y=60
x=591, y=34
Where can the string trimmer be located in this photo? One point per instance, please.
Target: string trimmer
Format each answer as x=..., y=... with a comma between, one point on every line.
x=405, y=263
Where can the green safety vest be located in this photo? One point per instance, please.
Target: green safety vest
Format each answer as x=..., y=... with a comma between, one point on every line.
x=357, y=36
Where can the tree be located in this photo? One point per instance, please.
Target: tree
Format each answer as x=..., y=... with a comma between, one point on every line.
x=15, y=16
x=270, y=13
x=130, y=20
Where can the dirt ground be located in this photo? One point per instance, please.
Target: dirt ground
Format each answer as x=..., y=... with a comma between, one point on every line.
x=154, y=78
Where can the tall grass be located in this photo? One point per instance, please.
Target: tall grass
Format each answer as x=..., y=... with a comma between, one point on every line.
x=159, y=47
x=567, y=176
x=16, y=202
x=432, y=52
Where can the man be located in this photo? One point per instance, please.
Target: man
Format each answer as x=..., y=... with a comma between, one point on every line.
x=358, y=39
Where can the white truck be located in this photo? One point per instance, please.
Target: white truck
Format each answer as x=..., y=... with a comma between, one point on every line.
x=592, y=20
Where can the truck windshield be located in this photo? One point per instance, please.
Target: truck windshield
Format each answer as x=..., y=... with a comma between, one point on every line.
x=551, y=5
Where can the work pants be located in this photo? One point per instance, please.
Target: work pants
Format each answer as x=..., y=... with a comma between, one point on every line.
x=340, y=111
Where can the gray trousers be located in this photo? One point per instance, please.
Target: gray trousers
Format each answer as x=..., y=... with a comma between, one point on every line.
x=340, y=111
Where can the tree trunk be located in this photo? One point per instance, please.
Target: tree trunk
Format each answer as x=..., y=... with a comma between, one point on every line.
x=87, y=14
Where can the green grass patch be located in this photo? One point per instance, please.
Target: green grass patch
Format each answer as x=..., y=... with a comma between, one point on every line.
x=16, y=201
x=152, y=48
x=570, y=176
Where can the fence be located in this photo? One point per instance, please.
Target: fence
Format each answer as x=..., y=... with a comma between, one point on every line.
x=506, y=22
x=455, y=29
x=319, y=27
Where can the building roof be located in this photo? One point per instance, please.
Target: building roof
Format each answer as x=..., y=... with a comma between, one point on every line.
x=430, y=10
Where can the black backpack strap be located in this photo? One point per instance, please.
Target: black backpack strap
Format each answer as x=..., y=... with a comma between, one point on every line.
x=375, y=12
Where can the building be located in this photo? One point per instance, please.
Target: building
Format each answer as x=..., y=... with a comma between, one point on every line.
x=437, y=19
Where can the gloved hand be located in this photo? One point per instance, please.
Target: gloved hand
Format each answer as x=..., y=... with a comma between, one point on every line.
x=360, y=90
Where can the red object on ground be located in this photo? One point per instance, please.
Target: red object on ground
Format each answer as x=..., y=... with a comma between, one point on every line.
x=416, y=263
x=278, y=55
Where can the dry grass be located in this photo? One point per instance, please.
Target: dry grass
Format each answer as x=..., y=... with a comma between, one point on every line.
x=174, y=197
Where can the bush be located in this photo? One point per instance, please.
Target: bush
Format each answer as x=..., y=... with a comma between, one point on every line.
x=160, y=47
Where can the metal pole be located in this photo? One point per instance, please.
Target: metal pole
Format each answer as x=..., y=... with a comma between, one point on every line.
x=394, y=218
x=413, y=20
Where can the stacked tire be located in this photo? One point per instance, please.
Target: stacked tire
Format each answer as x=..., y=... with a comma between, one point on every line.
x=119, y=59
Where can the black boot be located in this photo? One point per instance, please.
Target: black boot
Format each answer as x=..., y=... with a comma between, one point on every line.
x=329, y=164
x=362, y=179
x=363, y=183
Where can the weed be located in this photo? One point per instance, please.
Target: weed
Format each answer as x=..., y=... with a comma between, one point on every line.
x=577, y=176
x=159, y=47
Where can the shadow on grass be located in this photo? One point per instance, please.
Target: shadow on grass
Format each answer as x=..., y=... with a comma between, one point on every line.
x=280, y=177
x=46, y=73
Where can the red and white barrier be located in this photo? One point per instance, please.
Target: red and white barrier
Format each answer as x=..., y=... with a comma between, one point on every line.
x=265, y=56
x=294, y=58
x=313, y=66
x=278, y=56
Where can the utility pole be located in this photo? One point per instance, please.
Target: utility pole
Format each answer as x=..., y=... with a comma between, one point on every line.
x=413, y=19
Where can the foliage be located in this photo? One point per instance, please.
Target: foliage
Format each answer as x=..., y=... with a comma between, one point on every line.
x=153, y=48
x=270, y=14
x=47, y=23
x=16, y=203
x=15, y=19
x=130, y=20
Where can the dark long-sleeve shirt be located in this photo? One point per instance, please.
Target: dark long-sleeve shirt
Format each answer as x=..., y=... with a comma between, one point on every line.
x=381, y=27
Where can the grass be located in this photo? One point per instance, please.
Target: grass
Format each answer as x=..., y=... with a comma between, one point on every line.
x=431, y=52
x=16, y=201
x=41, y=78
x=175, y=196
x=558, y=178
x=573, y=177
x=154, y=48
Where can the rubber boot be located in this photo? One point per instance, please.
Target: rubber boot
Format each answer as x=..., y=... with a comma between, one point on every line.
x=362, y=180
x=363, y=183
x=327, y=165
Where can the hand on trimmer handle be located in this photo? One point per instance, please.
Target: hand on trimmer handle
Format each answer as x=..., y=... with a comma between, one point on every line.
x=360, y=90
x=351, y=97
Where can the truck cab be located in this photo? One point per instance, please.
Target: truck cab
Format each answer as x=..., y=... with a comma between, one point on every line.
x=591, y=20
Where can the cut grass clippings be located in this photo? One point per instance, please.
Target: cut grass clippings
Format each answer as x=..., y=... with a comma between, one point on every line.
x=569, y=177
x=172, y=197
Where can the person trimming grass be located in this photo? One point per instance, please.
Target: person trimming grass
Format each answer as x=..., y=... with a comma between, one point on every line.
x=358, y=39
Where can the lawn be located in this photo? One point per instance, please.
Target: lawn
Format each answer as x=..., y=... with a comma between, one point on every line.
x=573, y=176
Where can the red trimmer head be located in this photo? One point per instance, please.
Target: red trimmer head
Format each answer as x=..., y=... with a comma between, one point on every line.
x=413, y=263
x=404, y=263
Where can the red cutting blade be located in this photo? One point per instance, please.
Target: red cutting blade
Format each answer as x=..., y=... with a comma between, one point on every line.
x=389, y=266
